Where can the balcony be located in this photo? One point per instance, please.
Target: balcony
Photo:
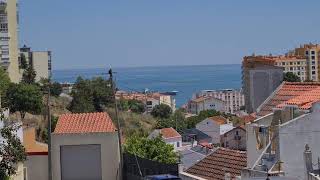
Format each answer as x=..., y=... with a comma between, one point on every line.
x=4, y=62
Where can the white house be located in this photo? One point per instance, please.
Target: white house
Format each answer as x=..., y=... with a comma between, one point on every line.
x=169, y=135
x=85, y=146
x=214, y=127
x=195, y=106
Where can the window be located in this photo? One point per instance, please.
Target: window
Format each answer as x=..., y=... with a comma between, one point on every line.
x=237, y=132
x=227, y=144
x=313, y=62
x=290, y=63
x=178, y=144
x=25, y=173
x=313, y=67
x=149, y=103
x=283, y=63
x=313, y=57
x=313, y=72
x=298, y=62
x=298, y=73
x=312, y=52
x=291, y=68
x=307, y=52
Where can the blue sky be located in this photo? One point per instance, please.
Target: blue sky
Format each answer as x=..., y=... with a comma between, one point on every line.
x=126, y=33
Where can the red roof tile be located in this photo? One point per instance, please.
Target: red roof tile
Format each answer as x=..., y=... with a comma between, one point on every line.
x=219, y=119
x=215, y=165
x=248, y=118
x=169, y=133
x=302, y=94
x=84, y=123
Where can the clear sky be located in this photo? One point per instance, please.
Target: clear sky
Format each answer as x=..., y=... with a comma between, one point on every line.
x=123, y=33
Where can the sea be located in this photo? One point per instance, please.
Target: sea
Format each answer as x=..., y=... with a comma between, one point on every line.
x=187, y=80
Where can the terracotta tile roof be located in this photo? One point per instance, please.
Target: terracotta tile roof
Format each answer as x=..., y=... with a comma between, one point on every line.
x=169, y=133
x=30, y=144
x=218, y=119
x=199, y=99
x=215, y=165
x=84, y=123
x=248, y=118
x=302, y=94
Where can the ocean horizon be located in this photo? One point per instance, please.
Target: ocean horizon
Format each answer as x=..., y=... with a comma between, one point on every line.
x=187, y=79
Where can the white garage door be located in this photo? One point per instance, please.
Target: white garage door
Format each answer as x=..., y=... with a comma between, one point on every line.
x=80, y=162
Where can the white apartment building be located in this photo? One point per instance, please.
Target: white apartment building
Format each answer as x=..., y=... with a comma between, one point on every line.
x=9, y=38
x=39, y=60
x=234, y=99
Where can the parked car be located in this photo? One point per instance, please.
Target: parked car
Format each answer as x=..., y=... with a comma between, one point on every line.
x=163, y=177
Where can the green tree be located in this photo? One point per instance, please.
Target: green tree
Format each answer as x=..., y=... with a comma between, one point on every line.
x=176, y=120
x=91, y=95
x=162, y=111
x=29, y=75
x=153, y=149
x=136, y=106
x=23, y=61
x=11, y=149
x=56, y=89
x=24, y=98
x=291, y=77
x=4, y=82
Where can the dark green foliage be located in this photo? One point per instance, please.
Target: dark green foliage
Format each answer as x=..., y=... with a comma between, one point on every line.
x=11, y=152
x=29, y=75
x=192, y=121
x=291, y=77
x=176, y=120
x=91, y=95
x=132, y=105
x=55, y=89
x=23, y=62
x=4, y=82
x=153, y=149
x=162, y=111
x=24, y=98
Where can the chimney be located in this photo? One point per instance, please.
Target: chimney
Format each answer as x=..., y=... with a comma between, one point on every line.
x=307, y=155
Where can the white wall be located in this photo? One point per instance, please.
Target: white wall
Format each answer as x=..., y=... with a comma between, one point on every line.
x=37, y=167
x=294, y=135
x=210, y=128
x=174, y=141
x=110, y=157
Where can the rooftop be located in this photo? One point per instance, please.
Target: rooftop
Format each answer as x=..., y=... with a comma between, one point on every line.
x=84, y=123
x=302, y=94
x=218, y=119
x=169, y=133
x=30, y=144
x=215, y=165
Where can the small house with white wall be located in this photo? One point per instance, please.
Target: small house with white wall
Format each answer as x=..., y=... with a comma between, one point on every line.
x=85, y=146
x=214, y=127
x=169, y=135
x=195, y=106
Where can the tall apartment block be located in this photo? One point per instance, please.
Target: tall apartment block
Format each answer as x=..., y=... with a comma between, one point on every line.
x=232, y=98
x=9, y=38
x=260, y=77
x=39, y=60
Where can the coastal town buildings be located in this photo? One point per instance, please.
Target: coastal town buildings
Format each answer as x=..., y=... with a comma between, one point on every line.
x=287, y=121
x=234, y=139
x=214, y=127
x=169, y=135
x=39, y=60
x=9, y=38
x=149, y=99
x=85, y=146
x=260, y=77
x=232, y=101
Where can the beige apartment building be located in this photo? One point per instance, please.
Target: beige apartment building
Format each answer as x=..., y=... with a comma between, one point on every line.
x=39, y=60
x=9, y=38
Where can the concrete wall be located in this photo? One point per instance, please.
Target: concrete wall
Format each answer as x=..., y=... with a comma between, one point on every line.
x=294, y=135
x=263, y=83
x=40, y=63
x=210, y=128
x=110, y=158
x=252, y=152
x=37, y=167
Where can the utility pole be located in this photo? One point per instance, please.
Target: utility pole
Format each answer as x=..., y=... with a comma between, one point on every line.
x=113, y=87
x=49, y=131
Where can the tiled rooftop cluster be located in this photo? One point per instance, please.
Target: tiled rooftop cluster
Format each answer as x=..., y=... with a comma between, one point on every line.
x=214, y=166
x=137, y=95
x=218, y=119
x=84, y=123
x=301, y=94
